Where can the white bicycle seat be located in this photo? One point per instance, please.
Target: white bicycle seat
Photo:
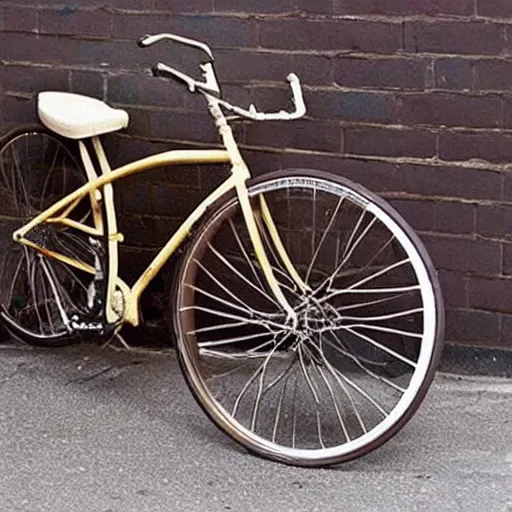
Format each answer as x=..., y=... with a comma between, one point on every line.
x=78, y=117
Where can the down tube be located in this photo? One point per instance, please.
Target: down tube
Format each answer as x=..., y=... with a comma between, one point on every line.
x=132, y=310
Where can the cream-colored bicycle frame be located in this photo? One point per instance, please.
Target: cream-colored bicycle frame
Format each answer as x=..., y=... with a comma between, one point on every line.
x=99, y=189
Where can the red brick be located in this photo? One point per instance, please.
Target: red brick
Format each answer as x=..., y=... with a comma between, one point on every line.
x=494, y=8
x=354, y=106
x=243, y=66
x=454, y=74
x=65, y=51
x=16, y=111
x=507, y=112
x=254, y=6
x=165, y=201
x=30, y=78
x=90, y=83
x=390, y=142
x=259, y=162
x=490, y=294
x=380, y=73
x=72, y=21
x=18, y=19
x=495, y=221
x=139, y=89
x=472, y=327
x=77, y=3
x=421, y=215
x=147, y=231
x=133, y=5
x=327, y=34
x=493, y=75
x=138, y=123
x=464, y=254
x=465, y=38
x=379, y=177
x=180, y=6
x=314, y=136
x=451, y=110
x=451, y=182
x=489, y=146
x=507, y=259
x=402, y=7
x=184, y=126
x=234, y=66
x=506, y=331
x=453, y=285
x=455, y=217
x=316, y=7
x=507, y=187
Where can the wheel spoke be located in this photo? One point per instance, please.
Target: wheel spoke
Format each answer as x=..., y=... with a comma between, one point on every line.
x=240, y=275
x=347, y=255
x=230, y=341
x=222, y=287
x=378, y=274
x=311, y=386
x=340, y=347
x=263, y=323
x=327, y=229
x=36, y=170
x=338, y=379
x=389, y=316
x=335, y=403
x=218, y=327
x=359, y=305
x=382, y=328
x=245, y=254
x=382, y=347
x=254, y=377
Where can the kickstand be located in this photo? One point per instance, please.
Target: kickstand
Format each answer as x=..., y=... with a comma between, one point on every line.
x=120, y=339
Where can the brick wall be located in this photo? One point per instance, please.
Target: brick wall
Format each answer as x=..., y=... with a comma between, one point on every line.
x=410, y=98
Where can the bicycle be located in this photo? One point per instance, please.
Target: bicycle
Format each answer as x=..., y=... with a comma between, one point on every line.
x=307, y=314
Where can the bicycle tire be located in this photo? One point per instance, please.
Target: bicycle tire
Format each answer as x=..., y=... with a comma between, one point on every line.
x=38, y=167
x=372, y=365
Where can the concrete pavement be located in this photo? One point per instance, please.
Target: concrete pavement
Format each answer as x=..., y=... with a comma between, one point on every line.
x=89, y=430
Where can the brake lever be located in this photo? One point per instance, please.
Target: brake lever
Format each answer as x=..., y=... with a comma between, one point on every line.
x=210, y=85
x=161, y=70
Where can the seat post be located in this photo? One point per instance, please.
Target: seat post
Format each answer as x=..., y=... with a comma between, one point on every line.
x=95, y=195
x=112, y=235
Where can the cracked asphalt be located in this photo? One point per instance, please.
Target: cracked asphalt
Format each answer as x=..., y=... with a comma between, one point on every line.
x=90, y=430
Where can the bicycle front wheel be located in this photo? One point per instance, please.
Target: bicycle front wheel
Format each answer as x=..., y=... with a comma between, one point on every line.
x=357, y=363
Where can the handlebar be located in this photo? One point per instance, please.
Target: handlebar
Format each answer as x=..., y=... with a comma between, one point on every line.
x=282, y=115
x=210, y=87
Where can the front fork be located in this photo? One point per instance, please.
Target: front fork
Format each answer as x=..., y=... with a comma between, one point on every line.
x=241, y=171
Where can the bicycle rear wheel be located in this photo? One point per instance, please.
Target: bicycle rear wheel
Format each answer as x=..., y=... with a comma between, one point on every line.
x=370, y=326
x=39, y=294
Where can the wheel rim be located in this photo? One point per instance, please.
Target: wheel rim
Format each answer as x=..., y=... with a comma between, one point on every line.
x=36, y=170
x=364, y=363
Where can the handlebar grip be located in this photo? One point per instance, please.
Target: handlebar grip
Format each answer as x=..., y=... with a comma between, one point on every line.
x=157, y=71
x=148, y=40
x=142, y=42
x=161, y=70
x=298, y=98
